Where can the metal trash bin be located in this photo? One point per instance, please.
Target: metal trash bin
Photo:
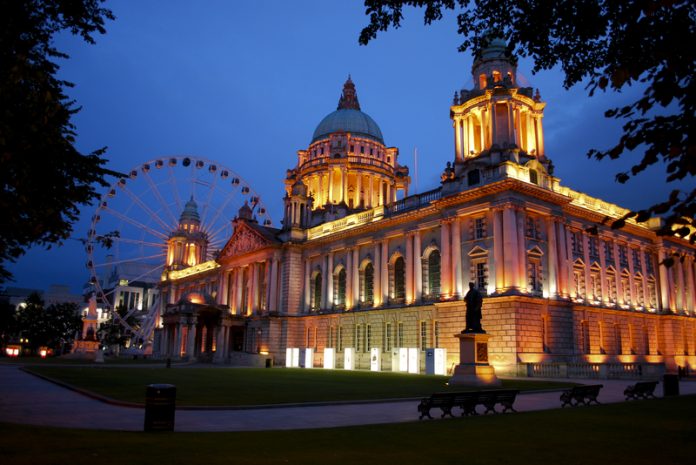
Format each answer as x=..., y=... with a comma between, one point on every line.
x=160, y=407
x=269, y=363
x=670, y=385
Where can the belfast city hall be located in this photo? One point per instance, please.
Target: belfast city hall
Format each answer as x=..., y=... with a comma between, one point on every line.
x=361, y=274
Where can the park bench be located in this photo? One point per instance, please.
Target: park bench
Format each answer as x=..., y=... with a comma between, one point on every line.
x=641, y=390
x=467, y=401
x=443, y=401
x=585, y=394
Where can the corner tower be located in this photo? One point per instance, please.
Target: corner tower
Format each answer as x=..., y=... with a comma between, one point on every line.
x=347, y=167
x=497, y=119
x=188, y=244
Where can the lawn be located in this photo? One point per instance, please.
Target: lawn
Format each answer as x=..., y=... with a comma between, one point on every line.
x=255, y=386
x=632, y=433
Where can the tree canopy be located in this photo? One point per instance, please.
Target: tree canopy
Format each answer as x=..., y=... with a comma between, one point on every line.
x=608, y=45
x=44, y=177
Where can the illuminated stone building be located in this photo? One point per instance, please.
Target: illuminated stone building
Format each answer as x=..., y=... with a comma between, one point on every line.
x=353, y=267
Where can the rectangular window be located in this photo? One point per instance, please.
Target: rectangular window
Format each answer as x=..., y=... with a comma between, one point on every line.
x=330, y=338
x=308, y=337
x=400, y=334
x=594, y=248
x=387, y=337
x=480, y=275
x=358, y=338
x=609, y=252
x=623, y=255
x=368, y=338
x=576, y=243
x=479, y=228
x=532, y=228
x=339, y=339
x=423, y=335
x=436, y=333
x=362, y=149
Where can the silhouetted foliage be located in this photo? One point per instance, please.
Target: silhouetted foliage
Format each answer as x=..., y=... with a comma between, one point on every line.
x=44, y=177
x=54, y=326
x=609, y=45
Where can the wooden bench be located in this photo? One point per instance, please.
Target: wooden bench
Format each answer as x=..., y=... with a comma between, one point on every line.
x=585, y=394
x=641, y=390
x=467, y=402
x=443, y=401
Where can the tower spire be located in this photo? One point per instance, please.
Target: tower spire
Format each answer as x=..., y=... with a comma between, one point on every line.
x=349, y=98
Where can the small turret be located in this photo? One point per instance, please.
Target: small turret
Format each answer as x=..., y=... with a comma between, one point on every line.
x=188, y=244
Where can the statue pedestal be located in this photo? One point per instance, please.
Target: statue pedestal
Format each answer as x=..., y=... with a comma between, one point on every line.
x=473, y=368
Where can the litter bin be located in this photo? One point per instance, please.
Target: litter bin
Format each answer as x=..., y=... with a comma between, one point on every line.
x=269, y=363
x=160, y=405
x=670, y=385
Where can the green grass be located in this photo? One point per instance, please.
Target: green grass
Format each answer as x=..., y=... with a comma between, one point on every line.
x=255, y=386
x=632, y=433
x=36, y=360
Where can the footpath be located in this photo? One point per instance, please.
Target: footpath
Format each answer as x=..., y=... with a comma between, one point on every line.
x=27, y=399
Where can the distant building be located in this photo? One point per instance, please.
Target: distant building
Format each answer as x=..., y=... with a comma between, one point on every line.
x=353, y=271
x=55, y=294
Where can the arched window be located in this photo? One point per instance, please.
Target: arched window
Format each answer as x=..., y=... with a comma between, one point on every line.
x=340, y=288
x=496, y=76
x=399, y=278
x=367, y=282
x=434, y=273
x=315, y=303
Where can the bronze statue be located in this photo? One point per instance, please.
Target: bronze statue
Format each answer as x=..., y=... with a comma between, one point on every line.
x=474, y=302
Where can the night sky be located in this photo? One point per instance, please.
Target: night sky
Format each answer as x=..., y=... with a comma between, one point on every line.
x=246, y=83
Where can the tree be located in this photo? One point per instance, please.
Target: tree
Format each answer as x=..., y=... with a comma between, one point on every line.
x=44, y=177
x=53, y=327
x=112, y=333
x=609, y=45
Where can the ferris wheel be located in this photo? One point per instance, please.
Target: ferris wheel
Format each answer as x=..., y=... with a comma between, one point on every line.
x=127, y=239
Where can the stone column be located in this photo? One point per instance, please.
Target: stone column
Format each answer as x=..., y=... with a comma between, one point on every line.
x=358, y=188
x=267, y=277
x=498, y=250
x=356, y=276
x=457, y=141
x=385, y=271
x=371, y=198
x=551, y=284
x=377, y=275
x=178, y=341
x=521, y=251
x=689, y=285
x=308, y=285
x=603, y=271
x=679, y=272
x=510, y=247
x=240, y=307
x=329, y=282
x=273, y=304
x=349, y=279
x=409, y=268
x=445, y=259
x=631, y=274
x=458, y=287
x=617, y=266
x=219, y=344
x=482, y=127
x=324, y=281
x=254, y=288
x=644, y=272
x=540, y=135
x=586, y=259
x=417, y=267
x=331, y=183
x=191, y=339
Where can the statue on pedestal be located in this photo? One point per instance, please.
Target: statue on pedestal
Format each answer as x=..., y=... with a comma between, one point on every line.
x=474, y=302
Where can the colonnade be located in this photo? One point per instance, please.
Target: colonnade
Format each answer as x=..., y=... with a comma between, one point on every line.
x=333, y=186
x=251, y=288
x=501, y=122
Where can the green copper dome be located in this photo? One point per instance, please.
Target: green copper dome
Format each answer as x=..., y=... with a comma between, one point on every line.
x=190, y=212
x=348, y=118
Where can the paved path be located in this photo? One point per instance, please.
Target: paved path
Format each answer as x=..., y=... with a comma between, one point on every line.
x=28, y=399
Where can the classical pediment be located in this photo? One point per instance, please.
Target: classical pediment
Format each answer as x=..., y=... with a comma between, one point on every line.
x=244, y=240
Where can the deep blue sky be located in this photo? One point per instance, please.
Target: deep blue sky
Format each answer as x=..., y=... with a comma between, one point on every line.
x=246, y=83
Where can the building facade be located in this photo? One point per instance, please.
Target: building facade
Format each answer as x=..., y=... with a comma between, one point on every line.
x=353, y=267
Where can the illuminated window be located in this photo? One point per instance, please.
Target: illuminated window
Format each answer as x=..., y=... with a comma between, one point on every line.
x=367, y=278
x=534, y=271
x=626, y=287
x=483, y=81
x=611, y=285
x=315, y=303
x=511, y=77
x=496, y=76
x=479, y=273
x=398, y=278
x=652, y=292
x=579, y=279
x=432, y=274
x=596, y=281
x=638, y=287
x=340, y=288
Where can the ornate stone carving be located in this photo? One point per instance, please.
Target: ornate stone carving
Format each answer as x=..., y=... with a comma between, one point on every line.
x=243, y=241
